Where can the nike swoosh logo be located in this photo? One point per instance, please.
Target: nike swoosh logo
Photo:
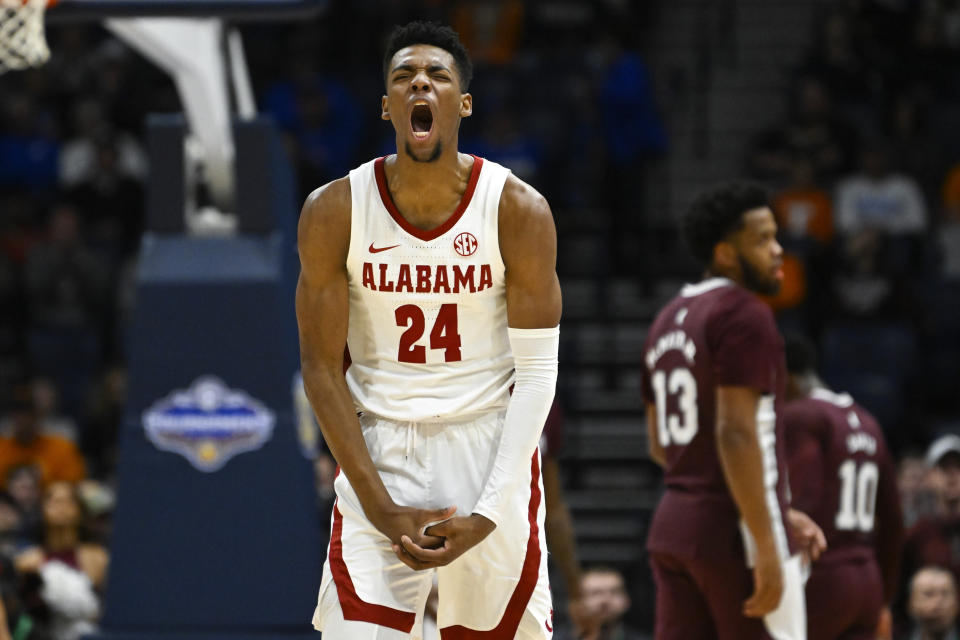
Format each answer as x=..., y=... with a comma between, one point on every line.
x=378, y=250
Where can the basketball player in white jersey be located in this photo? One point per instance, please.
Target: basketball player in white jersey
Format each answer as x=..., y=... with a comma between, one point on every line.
x=437, y=270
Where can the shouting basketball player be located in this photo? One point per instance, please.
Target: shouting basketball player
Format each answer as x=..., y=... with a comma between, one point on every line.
x=437, y=270
x=713, y=377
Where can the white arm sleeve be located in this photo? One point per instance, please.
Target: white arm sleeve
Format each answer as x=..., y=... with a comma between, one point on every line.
x=535, y=361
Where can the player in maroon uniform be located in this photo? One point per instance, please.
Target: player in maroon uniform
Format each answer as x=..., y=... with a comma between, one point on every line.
x=713, y=373
x=843, y=476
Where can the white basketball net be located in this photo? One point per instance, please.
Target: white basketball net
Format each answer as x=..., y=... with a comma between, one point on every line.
x=22, y=41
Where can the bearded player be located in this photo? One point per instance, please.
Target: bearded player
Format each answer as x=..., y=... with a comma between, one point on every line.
x=713, y=378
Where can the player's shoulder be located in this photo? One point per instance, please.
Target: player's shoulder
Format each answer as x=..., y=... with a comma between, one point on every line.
x=326, y=206
x=324, y=226
x=525, y=225
x=741, y=309
x=668, y=314
x=868, y=420
x=522, y=205
x=804, y=413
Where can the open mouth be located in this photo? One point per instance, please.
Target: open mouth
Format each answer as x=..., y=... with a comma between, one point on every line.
x=421, y=120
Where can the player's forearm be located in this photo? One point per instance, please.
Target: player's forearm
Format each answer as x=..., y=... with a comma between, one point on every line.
x=331, y=401
x=535, y=357
x=743, y=469
x=654, y=447
x=560, y=541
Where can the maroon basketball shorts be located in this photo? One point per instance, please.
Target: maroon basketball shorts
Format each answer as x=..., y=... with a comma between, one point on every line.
x=844, y=600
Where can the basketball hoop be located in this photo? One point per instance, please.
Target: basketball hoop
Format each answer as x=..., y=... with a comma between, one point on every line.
x=22, y=40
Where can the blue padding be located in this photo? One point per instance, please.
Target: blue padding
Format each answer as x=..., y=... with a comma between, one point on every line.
x=176, y=258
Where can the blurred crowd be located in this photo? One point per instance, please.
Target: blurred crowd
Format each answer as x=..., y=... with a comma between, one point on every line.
x=865, y=172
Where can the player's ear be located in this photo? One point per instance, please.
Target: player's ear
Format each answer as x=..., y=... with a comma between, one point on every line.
x=384, y=111
x=466, y=105
x=725, y=255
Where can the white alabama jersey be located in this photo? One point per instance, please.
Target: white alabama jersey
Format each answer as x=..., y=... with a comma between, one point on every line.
x=428, y=312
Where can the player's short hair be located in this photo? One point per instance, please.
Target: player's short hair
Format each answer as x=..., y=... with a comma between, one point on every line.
x=716, y=213
x=434, y=34
x=801, y=354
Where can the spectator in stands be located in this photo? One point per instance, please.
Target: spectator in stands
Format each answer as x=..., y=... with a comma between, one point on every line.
x=813, y=130
x=491, y=30
x=635, y=138
x=837, y=62
x=605, y=595
x=57, y=458
x=67, y=288
x=322, y=118
x=803, y=209
x=46, y=398
x=861, y=283
x=877, y=198
x=110, y=200
x=23, y=485
x=72, y=569
x=935, y=539
x=503, y=138
x=78, y=159
x=63, y=521
x=916, y=143
x=915, y=483
x=933, y=605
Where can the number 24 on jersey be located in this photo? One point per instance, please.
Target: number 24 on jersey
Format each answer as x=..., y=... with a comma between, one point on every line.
x=443, y=336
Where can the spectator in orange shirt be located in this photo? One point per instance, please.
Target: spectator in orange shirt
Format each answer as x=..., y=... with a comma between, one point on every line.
x=57, y=458
x=491, y=30
x=803, y=209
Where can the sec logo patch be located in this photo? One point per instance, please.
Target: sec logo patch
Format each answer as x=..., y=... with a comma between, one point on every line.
x=465, y=244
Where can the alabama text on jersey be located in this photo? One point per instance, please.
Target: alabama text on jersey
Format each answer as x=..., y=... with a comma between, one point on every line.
x=428, y=320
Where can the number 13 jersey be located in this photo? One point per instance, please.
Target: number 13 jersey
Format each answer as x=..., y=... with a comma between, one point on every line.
x=428, y=314
x=715, y=333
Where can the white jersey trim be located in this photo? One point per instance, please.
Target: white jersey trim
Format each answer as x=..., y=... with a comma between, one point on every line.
x=691, y=290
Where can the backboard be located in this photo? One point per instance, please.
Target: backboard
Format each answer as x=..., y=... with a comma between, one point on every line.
x=240, y=10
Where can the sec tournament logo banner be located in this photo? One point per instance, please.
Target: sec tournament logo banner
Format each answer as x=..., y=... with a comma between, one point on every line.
x=208, y=423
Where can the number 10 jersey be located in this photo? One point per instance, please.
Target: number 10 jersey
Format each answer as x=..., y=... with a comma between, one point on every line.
x=428, y=316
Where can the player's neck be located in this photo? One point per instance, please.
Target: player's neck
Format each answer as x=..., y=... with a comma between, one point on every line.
x=716, y=272
x=424, y=190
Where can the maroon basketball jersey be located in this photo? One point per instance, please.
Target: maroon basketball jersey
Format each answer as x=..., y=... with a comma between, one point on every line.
x=714, y=333
x=842, y=476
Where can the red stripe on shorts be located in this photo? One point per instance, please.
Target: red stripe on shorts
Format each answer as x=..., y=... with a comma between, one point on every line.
x=353, y=607
x=529, y=575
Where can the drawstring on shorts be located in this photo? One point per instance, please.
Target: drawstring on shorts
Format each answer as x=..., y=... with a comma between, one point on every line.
x=410, y=440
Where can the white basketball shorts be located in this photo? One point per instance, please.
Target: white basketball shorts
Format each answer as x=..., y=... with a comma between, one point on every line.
x=498, y=590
